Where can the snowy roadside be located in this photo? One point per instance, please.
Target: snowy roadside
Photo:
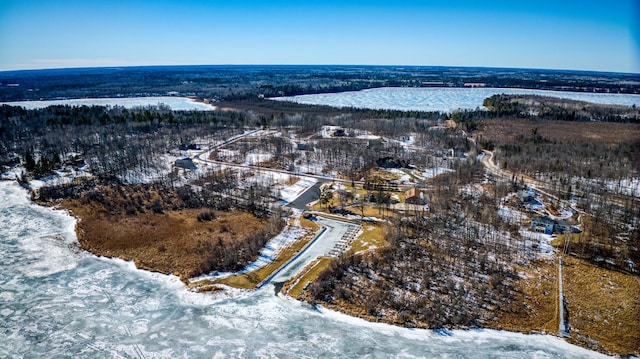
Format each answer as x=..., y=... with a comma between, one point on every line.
x=290, y=193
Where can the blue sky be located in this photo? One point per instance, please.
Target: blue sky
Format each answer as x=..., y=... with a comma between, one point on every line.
x=579, y=35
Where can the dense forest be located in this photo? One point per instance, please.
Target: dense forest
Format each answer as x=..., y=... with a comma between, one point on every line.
x=237, y=82
x=550, y=108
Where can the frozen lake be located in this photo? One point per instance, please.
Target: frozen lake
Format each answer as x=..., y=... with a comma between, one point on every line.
x=444, y=99
x=175, y=103
x=58, y=301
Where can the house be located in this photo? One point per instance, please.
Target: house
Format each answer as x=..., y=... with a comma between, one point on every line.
x=546, y=225
x=375, y=143
x=188, y=146
x=416, y=196
x=186, y=163
x=391, y=162
x=339, y=133
x=562, y=226
x=526, y=196
x=305, y=147
x=542, y=224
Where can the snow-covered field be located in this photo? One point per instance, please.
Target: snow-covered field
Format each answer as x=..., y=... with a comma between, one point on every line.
x=442, y=98
x=175, y=103
x=511, y=215
x=256, y=158
x=630, y=187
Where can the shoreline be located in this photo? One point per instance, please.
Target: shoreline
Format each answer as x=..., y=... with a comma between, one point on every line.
x=185, y=242
x=577, y=339
x=345, y=310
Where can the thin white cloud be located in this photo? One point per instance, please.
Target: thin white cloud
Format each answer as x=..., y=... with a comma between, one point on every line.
x=65, y=63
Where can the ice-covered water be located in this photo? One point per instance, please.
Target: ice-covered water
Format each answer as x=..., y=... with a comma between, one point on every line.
x=175, y=103
x=443, y=98
x=57, y=301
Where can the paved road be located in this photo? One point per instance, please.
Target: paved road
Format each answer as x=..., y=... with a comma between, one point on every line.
x=321, y=178
x=544, y=187
x=224, y=143
x=308, y=196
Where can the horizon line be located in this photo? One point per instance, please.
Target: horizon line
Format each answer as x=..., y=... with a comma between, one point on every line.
x=89, y=67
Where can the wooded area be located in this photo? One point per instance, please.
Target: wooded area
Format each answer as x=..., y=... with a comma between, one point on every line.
x=460, y=259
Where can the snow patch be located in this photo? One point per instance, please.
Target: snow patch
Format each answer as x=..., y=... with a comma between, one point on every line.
x=435, y=171
x=267, y=255
x=175, y=103
x=290, y=193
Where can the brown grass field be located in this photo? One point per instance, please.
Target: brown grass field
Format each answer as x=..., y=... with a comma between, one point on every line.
x=604, y=132
x=537, y=309
x=172, y=242
x=295, y=286
x=604, y=307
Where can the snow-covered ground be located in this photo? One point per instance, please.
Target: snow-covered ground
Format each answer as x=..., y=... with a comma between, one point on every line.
x=543, y=240
x=368, y=137
x=629, y=187
x=290, y=193
x=61, y=176
x=511, y=215
x=435, y=171
x=443, y=99
x=255, y=158
x=164, y=166
x=304, y=166
x=408, y=143
x=175, y=103
x=327, y=131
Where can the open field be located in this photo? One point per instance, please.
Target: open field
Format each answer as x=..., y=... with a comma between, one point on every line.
x=602, y=132
x=604, y=307
x=372, y=237
x=538, y=311
x=173, y=242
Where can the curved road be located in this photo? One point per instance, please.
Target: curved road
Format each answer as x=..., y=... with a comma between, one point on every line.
x=321, y=178
x=545, y=188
